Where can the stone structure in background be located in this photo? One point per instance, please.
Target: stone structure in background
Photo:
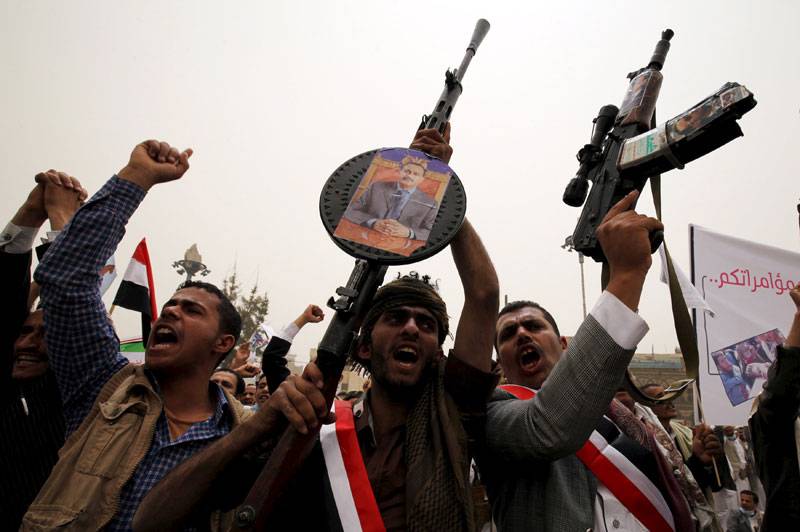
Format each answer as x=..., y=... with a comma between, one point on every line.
x=665, y=369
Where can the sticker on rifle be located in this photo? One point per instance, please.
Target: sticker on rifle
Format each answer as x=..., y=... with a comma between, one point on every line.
x=396, y=202
x=733, y=95
x=644, y=147
x=636, y=91
x=696, y=118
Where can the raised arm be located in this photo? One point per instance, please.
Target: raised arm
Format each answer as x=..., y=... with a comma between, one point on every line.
x=780, y=400
x=273, y=361
x=475, y=331
x=772, y=427
x=82, y=345
x=559, y=419
x=16, y=242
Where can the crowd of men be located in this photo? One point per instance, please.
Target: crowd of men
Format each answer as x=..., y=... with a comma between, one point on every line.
x=91, y=441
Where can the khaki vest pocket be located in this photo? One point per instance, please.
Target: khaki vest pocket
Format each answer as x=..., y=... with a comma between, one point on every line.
x=106, y=447
x=47, y=517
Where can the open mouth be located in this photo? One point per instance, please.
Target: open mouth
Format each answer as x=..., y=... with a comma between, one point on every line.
x=406, y=356
x=529, y=358
x=163, y=337
x=28, y=358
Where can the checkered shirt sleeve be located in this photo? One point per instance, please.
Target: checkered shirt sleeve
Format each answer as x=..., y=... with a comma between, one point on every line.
x=81, y=342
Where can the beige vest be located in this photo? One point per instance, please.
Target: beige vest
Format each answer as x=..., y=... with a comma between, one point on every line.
x=82, y=492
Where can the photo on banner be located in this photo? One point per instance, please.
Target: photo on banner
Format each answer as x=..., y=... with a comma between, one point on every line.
x=747, y=284
x=396, y=202
x=742, y=364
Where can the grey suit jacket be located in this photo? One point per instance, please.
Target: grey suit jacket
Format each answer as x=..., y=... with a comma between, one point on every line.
x=418, y=213
x=532, y=476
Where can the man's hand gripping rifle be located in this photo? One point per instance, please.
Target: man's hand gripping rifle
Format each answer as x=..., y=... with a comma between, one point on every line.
x=625, y=149
x=352, y=303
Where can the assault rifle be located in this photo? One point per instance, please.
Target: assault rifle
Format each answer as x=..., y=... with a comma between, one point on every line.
x=355, y=298
x=625, y=149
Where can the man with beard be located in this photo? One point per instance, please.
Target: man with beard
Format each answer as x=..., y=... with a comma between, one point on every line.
x=408, y=430
x=542, y=453
x=31, y=420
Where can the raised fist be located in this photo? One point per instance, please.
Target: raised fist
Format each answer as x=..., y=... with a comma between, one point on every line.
x=153, y=162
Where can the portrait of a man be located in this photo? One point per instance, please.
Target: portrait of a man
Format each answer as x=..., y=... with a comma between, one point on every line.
x=396, y=203
x=397, y=208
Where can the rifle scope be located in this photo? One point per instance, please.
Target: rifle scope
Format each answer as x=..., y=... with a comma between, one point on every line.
x=589, y=155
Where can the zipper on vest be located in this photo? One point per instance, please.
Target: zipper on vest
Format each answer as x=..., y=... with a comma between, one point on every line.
x=115, y=506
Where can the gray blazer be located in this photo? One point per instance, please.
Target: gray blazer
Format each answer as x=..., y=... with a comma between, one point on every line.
x=418, y=213
x=532, y=476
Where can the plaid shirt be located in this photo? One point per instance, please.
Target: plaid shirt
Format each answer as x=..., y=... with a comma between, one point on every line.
x=83, y=346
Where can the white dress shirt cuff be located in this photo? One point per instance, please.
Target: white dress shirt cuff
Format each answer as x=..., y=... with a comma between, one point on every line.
x=51, y=237
x=288, y=332
x=16, y=239
x=624, y=326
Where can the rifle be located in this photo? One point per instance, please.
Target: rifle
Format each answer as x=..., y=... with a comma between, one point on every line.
x=625, y=149
x=355, y=298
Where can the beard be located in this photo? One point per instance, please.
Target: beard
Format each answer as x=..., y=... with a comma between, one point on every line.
x=396, y=387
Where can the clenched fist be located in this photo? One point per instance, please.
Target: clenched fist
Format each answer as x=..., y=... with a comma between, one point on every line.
x=624, y=236
x=153, y=162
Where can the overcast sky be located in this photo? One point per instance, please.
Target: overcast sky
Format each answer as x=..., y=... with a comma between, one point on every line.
x=274, y=95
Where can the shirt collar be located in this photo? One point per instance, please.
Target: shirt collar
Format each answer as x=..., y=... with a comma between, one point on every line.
x=363, y=420
x=405, y=192
x=221, y=406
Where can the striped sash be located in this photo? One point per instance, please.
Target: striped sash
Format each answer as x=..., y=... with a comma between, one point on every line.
x=617, y=462
x=352, y=492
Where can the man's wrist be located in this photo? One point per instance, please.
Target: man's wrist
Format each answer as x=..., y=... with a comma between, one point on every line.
x=793, y=340
x=137, y=177
x=627, y=287
x=59, y=218
x=29, y=216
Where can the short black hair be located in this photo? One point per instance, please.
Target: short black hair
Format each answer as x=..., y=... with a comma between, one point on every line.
x=523, y=303
x=239, y=379
x=751, y=493
x=230, y=321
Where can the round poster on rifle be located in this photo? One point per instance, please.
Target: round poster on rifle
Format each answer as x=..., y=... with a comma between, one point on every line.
x=394, y=205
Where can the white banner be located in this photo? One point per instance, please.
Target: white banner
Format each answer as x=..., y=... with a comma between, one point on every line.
x=747, y=285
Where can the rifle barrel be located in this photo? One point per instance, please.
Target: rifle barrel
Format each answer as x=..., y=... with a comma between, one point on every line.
x=452, y=88
x=660, y=53
x=481, y=29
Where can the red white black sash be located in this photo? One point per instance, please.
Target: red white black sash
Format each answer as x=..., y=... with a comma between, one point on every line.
x=352, y=492
x=618, y=472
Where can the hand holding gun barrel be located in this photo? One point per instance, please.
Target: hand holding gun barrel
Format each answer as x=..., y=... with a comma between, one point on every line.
x=626, y=149
x=350, y=307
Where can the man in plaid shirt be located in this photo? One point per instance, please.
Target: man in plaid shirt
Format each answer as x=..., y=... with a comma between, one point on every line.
x=127, y=426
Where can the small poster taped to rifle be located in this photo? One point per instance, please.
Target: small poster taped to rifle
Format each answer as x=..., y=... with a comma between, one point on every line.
x=396, y=202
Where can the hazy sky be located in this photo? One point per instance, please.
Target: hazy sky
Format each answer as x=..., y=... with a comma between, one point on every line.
x=274, y=95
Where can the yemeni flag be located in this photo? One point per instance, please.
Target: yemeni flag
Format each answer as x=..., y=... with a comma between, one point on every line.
x=136, y=291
